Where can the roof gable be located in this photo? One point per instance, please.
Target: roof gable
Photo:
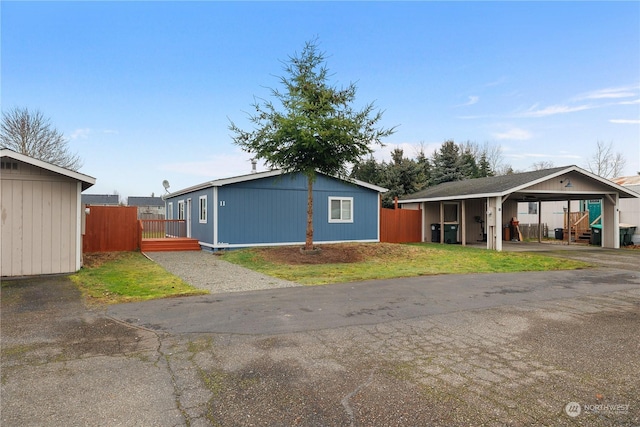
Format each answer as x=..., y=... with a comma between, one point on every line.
x=507, y=184
x=261, y=175
x=86, y=180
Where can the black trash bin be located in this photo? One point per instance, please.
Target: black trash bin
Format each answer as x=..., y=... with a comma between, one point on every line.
x=435, y=233
x=559, y=233
x=596, y=235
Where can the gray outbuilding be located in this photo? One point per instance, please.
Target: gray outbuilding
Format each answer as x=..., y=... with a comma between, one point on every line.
x=42, y=216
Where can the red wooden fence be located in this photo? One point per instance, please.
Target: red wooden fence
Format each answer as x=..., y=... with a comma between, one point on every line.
x=111, y=229
x=400, y=225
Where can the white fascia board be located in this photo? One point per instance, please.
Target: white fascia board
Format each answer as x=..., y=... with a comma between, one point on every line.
x=248, y=177
x=366, y=185
x=5, y=152
x=222, y=245
x=260, y=175
x=447, y=198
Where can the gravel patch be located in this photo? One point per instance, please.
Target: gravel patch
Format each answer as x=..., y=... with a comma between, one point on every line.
x=204, y=270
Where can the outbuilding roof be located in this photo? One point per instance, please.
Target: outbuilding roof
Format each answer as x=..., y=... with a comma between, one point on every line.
x=514, y=183
x=86, y=180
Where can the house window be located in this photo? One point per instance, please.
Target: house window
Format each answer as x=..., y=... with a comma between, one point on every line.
x=170, y=210
x=533, y=208
x=180, y=209
x=340, y=209
x=203, y=209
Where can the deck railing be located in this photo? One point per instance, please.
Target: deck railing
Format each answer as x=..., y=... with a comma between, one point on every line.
x=163, y=228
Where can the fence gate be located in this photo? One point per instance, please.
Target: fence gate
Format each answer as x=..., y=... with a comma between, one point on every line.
x=111, y=229
x=400, y=225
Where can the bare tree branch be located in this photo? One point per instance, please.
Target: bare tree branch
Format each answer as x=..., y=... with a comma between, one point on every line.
x=30, y=133
x=604, y=162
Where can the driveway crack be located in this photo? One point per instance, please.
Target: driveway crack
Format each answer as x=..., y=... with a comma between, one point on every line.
x=345, y=400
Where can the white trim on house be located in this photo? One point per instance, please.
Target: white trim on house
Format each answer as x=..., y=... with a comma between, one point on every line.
x=222, y=245
x=79, y=214
x=202, y=208
x=348, y=220
x=215, y=214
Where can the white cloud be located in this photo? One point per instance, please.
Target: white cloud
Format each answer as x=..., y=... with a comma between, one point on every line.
x=513, y=134
x=612, y=93
x=553, y=110
x=635, y=101
x=80, y=133
x=472, y=100
x=625, y=121
x=84, y=133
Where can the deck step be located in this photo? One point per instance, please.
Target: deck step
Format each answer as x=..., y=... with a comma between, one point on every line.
x=170, y=245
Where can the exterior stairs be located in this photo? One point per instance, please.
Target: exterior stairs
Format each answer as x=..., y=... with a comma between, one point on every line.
x=169, y=245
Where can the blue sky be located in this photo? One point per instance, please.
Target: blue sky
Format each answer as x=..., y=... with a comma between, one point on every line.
x=145, y=90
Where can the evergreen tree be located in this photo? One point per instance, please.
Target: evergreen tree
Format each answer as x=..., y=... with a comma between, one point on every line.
x=315, y=127
x=446, y=164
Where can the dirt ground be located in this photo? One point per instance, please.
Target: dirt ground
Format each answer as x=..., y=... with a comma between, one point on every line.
x=331, y=254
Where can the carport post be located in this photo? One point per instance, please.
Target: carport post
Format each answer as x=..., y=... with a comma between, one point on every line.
x=463, y=232
x=494, y=223
x=539, y=222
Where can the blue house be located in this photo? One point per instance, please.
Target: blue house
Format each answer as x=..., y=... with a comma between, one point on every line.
x=270, y=208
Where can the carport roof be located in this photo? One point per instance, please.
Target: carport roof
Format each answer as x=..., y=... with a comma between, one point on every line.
x=515, y=183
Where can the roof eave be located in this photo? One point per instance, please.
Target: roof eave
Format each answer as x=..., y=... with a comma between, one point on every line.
x=87, y=181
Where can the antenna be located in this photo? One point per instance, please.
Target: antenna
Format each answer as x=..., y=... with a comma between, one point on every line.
x=166, y=185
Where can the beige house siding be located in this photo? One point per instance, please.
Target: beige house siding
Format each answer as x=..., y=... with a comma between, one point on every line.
x=40, y=213
x=579, y=183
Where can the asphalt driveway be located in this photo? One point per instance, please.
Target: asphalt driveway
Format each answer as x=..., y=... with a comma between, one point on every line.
x=558, y=348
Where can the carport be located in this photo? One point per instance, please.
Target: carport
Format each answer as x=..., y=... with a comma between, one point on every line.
x=478, y=210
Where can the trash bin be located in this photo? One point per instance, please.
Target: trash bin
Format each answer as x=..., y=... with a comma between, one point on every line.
x=596, y=235
x=559, y=233
x=451, y=233
x=626, y=233
x=435, y=233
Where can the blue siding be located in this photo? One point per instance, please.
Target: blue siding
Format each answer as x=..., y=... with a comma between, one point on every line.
x=202, y=232
x=273, y=210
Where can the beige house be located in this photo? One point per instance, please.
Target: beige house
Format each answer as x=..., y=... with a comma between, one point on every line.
x=42, y=216
x=479, y=210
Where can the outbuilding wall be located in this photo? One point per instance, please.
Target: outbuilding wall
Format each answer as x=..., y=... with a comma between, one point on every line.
x=40, y=221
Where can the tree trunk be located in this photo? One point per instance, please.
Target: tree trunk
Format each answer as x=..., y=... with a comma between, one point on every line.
x=308, y=244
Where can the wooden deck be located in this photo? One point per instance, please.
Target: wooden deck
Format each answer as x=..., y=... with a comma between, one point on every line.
x=169, y=245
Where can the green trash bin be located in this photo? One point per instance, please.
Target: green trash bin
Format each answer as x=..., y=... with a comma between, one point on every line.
x=626, y=233
x=451, y=233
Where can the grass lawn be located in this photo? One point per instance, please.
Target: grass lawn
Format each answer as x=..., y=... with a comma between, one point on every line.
x=354, y=262
x=118, y=277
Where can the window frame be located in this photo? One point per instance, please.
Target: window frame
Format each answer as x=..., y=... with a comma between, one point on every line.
x=181, y=210
x=169, y=210
x=341, y=220
x=202, y=209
